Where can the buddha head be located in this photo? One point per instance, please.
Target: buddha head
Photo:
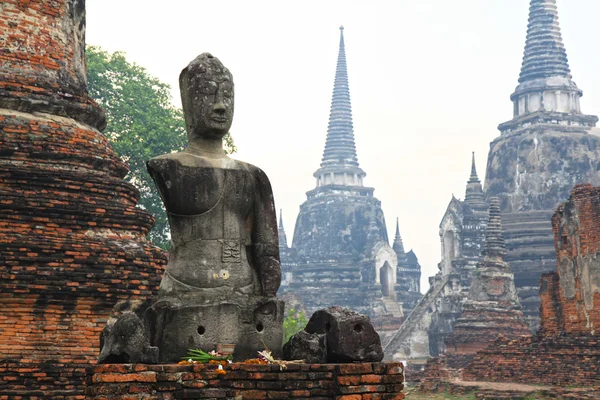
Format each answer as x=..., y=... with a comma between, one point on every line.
x=207, y=96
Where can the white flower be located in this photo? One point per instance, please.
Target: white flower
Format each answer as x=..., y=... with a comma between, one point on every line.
x=190, y=360
x=220, y=367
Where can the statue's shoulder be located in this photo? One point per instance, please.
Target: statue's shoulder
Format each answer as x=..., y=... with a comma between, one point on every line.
x=165, y=162
x=252, y=169
x=259, y=175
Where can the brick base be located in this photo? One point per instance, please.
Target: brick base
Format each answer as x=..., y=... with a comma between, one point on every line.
x=565, y=360
x=246, y=381
x=42, y=379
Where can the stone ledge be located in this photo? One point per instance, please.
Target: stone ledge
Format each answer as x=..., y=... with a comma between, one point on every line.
x=246, y=381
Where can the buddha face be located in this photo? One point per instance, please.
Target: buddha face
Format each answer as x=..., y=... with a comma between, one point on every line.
x=207, y=97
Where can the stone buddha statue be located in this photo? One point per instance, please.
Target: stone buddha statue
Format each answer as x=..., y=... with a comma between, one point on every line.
x=223, y=271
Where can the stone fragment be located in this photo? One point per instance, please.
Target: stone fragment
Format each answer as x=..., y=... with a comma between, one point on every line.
x=350, y=336
x=306, y=346
x=126, y=341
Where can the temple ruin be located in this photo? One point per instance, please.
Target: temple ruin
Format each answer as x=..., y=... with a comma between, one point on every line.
x=540, y=154
x=340, y=253
x=548, y=147
x=462, y=237
x=492, y=306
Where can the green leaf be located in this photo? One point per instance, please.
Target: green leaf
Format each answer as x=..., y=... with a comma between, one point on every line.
x=293, y=323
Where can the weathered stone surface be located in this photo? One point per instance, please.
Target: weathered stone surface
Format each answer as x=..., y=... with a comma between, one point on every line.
x=306, y=346
x=541, y=154
x=126, y=341
x=349, y=335
x=223, y=271
x=177, y=327
x=72, y=241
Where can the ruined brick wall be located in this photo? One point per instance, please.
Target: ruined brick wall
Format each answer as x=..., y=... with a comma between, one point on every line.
x=72, y=242
x=42, y=62
x=566, y=350
x=550, y=307
x=576, y=226
x=200, y=381
x=556, y=360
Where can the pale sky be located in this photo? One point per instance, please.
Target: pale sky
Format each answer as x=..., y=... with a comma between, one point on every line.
x=430, y=81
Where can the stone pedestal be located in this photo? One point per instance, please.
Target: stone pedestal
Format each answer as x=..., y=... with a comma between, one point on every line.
x=257, y=325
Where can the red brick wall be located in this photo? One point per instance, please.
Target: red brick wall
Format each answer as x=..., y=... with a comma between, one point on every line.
x=43, y=60
x=550, y=307
x=72, y=242
x=576, y=226
x=566, y=350
x=319, y=381
x=557, y=360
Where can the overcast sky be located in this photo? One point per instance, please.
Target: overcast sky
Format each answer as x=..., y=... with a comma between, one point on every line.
x=430, y=81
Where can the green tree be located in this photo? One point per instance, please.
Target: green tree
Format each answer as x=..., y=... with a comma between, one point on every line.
x=293, y=323
x=141, y=123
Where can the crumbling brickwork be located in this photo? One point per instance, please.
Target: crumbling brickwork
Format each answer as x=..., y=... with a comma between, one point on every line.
x=247, y=381
x=72, y=242
x=577, y=240
x=556, y=360
x=566, y=349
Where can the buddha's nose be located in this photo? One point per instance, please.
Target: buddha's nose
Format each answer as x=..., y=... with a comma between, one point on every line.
x=219, y=108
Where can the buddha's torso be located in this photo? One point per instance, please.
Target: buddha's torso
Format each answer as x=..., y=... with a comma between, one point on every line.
x=209, y=204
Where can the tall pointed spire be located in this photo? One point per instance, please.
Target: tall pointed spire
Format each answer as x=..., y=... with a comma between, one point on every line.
x=546, y=93
x=545, y=54
x=474, y=196
x=494, y=247
x=473, y=177
x=398, y=246
x=281, y=219
x=281, y=231
x=339, y=165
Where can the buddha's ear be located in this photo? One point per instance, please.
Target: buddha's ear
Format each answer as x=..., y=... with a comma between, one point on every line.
x=186, y=100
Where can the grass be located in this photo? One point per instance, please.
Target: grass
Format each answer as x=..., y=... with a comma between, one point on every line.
x=413, y=394
x=438, y=396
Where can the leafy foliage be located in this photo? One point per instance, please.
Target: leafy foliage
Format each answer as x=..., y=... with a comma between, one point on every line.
x=141, y=123
x=293, y=323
